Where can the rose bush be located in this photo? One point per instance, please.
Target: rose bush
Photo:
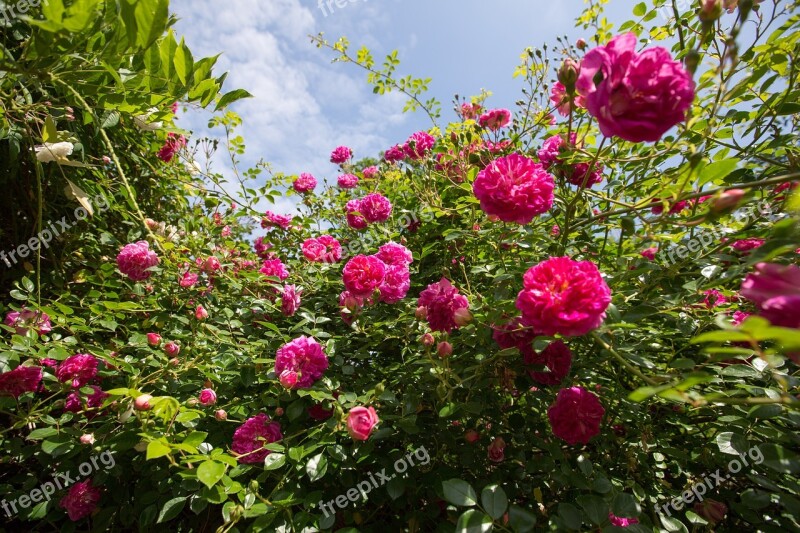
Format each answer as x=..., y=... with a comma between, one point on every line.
x=555, y=308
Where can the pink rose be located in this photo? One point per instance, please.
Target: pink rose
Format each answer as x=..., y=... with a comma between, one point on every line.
x=172, y=349
x=495, y=119
x=514, y=188
x=250, y=438
x=200, y=313
x=496, y=450
x=775, y=290
x=341, y=155
x=576, y=415
x=440, y=302
x=394, y=154
x=347, y=181
x=305, y=358
x=418, y=145
x=621, y=522
x=394, y=254
x=135, y=259
x=557, y=358
x=747, y=245
x=20, y=380
x=274, y=268
x=353, y=213
x=188, y=280
x=636, y=97
x=375, y=207
x=290, y=300
x=323, y=249
x=207, y=397
x=363, y=274
x=361, y=421
x=370, y=172
x=153, y=339
x=81, y=500
x=649, y=253
x=305, y=183
x=25, y=319
x=78, y=369
x=274, y=220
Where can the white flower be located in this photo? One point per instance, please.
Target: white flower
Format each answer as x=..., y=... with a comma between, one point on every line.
x=142, y=123
x=195, y=169
x=50, y=152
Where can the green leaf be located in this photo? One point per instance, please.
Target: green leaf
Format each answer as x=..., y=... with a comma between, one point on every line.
x=459, y=492
x=625, y=506
x=316, y=467
x=274, y=461
x=42, y=433
x=50, y=133
x=717, y=170
x=171, y=509
x=156, y=449
x=594, y=507
x=494, y=501
x=195, y=438
x=210, y=472
x=520, y=520
x=231, y=97
x=473, y=521
x=732, y=443
x=640, y=9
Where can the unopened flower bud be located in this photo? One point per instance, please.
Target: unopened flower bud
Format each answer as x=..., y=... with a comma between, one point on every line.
x=727, y=201
x=142, y=402
x=568, y=74
x=462, y=317
x=220, y=415
x=427, y=339
x=444, y=349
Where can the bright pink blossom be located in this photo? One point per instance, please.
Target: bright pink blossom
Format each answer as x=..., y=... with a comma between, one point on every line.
x=305, y=356
x=207, y=397
x=747, y=245
x=347, y=181
x=290, y=300
x=621, y=522
x=495, y=119
x=274, y=268
x=396, y=284
x=561, y=100
x=172, y=146
x=394, y=154
x=20, y=380
x=26, y=319
x=739, y=317
x=188, y=280
x=370, y=172
x=557, y=357
x=322, y=249
x=395, y=254
x=514, y=188
x=514, y=334
x=563, y=296
x=470, y=111
x=677, y=207
x=134, y=259
x=375, y=207
x=305, y=183
x=363, y=274
x=649, y=253
x=637, y=97
x=419, y=145
x=441, y=301
x=250, y=438
x=272, y=220
x=81, y=500
x=714, y=298
x=576, y=415
x=354, y=216
x=361, y=422
x=775, y=289
x=78, y=369
x=341, y=155
x=262, y=247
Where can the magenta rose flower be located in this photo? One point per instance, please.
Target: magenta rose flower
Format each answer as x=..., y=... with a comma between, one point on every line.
x=134, y=259
x=396, y=284
x=363, y=274
x=620, y=521
x=250, y=438
x=20, y=380
x=323, y=249
x=354, y=218
x=419, y=145
x=747, y=245
x=78, y=369
x=576, y=415
x=347, y=181
x=564, y=297
x=172, y=146
x=341, y=155
x=350, y=305
x=290, y=300
x=262, y=247
x=375, y=207
x=370, y=172
x=305, y=183
x=81, y=500
x=96, y=398
x=775, y=290
x=714, y=298
x=649, y=253
x=207, y=397
x=441, y=301
x=394, y=154
x=495, y=119
x=361, y=421
x=636, y=97
x=496, y=451
x=25, y=319
x=515, y=334
x=677, y=207
x=514, y=188
x=394, y=254
x=274, y=268
x=562, y=102
x=274, y=220
x=557, y=357
x=188, y=280
x=305, y=357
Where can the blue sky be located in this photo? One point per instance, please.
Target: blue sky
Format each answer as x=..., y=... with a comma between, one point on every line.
x=304, y=106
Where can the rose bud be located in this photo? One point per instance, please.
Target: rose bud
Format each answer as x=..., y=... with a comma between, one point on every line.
x=727, y=201
x=153, y=339
x=427, y=339
x=220, y=415
x=200, y=313
x=208, y=397
x=279, y=411
x=711, y=510
x=444, y=349
x=496, y=450
x=174, y=361
x=152, y=224
x=288, y=379
x=172, y=349
x=581, y=44
x=568, y=74
x=87, y=438
x=472, y=436
x=462, y=317
x=421, y=313
x=142, y=402
x=211, y=264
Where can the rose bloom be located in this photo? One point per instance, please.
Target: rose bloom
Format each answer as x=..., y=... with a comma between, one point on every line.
x=200, y=313
x=621, y=522
x=576, y=415
x=394, y=154
x=172, y=349
x=375, y=207
x=81, y=500
x=561, y=100
x=470, y=111
x=349, y=306
x=394, y=254
x=579, y=177
x=96, y=398
x=514, y=334
x=79, y=369
x=134, y=259
x=290, y=300
x=637, y=97
x=305, y=357
x=354, y=218
x=496, y=450
x=24, y=319
x=714, y=298
x=188, y=280
x=341, y=155
x=322, y=249
x=347, y=181
x=273, y=220
x=207, y=397
x=370, y=172
x=739, y=317
x=564, y=297
x=396, y=284
x=210, y=265
x=495, y=119
x=50, y=152
x=551, y=154
x=775, y=290
x=172, y=146
x=361, y=421
x=441, y=301
x=304, y=183
x=552, y=147
x=153, y=339
x=20, y=380
x=658, y=207
x=557, y=357
x=746, y=245
x=649, y=253
x=275, y=268
x=262, y=247
x=362, y=275
x=418, y=145
x=514, y=188
x=251, y=437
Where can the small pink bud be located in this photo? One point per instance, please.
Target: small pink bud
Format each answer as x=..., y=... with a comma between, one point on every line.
x=87, y=438
x=200, y=313
x=211, y=264
x=472, y=436
x=153, y=339
x=568, y=74
x=421, y=313
x=581, y=44
x=106, y=160
x=428, y=339
x=174, y=361
x=142, y=402
x=220, y=414
x=172, y=349
x=279, y=411
x=444, y=349
x=288, y=379
x=208, y=397
x=727, y=201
